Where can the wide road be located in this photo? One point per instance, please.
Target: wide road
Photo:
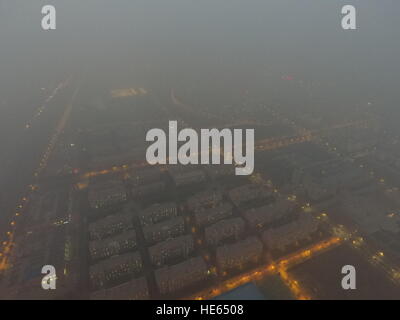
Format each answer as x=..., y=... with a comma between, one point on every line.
x=276, y=267
x=32, y=159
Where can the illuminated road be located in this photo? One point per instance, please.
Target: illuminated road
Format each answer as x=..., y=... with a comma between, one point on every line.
x=43, y=107
x=280, y=266
x=277, y=267
x=58, y=130
x=262, y=145
x=374, y=257
x=8, y=245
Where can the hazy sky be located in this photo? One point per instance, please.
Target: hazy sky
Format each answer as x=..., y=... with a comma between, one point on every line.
x=205, y=41
x=170, y=34
x=197, y=42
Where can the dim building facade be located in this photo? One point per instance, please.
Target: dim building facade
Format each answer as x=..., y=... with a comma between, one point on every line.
x=106, y=194
x=239, y=254
x=110, y=225
x=100, y=249
x=180, y=247
x=209, y=216
x=290, y=233
x=164, y=230
x=174, y=278
x=224, y=229
x=136, y=289
x=247, y=193
x=157, y=213
x=115, y=268
x=207, y=199
x=264, y=215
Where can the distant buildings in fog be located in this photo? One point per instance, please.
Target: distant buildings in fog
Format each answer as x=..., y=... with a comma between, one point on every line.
x=164, y=230
x=239, y=254
x=100, y=249
x=179, y=247
x=115, y=268
x=246, y=193
x=136, y=289
x=106, y=194
x=218, y=218
x=110, y=225
x=224, y=229
x=183, y=176
x=259, y=217
x=174, y=278
x=289, y=234
x=327, y=179
x=158, y=212
x=209, y=216
x=205, y=199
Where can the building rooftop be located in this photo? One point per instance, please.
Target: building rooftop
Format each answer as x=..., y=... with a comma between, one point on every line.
x=106, y=193
x=171, y=248
x=112, y=245
x=224, y=229
x=239, y=253
x=260, y=216
x=291, y=232
x=247, y=193
x=158, y=212
x=208, y=216
x=176, y=277
x=110, y=225
x=165, y=229
x=135, y=289
x=208, y=198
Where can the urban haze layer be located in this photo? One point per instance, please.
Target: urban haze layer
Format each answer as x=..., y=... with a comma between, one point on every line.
x=84, y=215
